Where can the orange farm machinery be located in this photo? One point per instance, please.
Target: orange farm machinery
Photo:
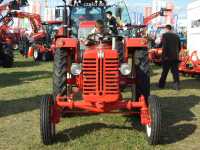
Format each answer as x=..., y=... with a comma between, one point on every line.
x=96, y=72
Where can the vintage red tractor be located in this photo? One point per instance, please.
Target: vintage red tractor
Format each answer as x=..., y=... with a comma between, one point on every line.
x=38, y=40
x=6, y=38
x=98, y=74
x=43, y=48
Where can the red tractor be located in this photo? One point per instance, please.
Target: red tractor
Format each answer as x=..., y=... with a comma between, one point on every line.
x=97, y=72
x=44, y=49
x=6, y=38
x=39, y=40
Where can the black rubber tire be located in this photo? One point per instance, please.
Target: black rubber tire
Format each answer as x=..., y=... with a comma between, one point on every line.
x=47, y=128
x=60, y=73
x=47, y=56
x=154, y=133
x=142, y=74
x=8, y=57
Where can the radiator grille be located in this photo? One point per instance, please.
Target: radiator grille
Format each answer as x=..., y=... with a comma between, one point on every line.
x=100, y=76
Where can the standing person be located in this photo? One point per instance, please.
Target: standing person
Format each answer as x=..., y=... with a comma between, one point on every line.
x=112, y=22
x=171, y=47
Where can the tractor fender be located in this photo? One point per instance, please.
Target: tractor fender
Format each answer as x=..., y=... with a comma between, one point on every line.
x=66, y=43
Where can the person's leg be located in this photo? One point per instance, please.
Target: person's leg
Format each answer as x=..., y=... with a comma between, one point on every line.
x=165, y=67
x=175, y=73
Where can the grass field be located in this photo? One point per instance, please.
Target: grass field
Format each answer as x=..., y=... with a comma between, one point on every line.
x=22, y=87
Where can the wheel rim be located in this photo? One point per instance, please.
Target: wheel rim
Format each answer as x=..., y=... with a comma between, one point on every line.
x=148, y=130
x=35, y=54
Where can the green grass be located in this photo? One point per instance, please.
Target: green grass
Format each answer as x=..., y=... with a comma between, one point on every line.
x=22, y=87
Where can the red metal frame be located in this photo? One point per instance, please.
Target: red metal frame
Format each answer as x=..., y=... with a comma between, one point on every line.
x=98, y=107
x=155, y=15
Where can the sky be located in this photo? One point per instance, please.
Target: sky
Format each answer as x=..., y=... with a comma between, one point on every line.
x=181, y=5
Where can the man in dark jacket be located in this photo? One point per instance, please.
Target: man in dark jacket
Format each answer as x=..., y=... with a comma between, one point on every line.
x=112, y=22
x=171, y=47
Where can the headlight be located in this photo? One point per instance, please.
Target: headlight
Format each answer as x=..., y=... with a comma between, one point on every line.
x=76, y=69
x=125, y=69
x=15, y=46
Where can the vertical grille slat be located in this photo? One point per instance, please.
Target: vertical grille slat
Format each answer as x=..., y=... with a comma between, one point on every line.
x=89, y=73
x=112, y=75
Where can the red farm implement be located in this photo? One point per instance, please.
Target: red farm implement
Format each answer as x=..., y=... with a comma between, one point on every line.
x=190, y=64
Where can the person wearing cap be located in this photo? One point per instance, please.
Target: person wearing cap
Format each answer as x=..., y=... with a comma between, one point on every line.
x=171, y=47
x=98, y=32
x=112, y=22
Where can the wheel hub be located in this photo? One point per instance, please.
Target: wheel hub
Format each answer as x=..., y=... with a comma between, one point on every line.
x=148, y=130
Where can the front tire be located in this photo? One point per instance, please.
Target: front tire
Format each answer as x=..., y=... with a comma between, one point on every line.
x=8, y=58
x=47, y=127
x=153, y=130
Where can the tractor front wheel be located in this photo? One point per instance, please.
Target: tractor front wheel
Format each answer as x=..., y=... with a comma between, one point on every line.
x=153, y=130
x=47, y=127
x=7, y=57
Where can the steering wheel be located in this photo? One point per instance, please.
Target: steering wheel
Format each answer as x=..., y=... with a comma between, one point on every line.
x=99, y=36
x=92, y=40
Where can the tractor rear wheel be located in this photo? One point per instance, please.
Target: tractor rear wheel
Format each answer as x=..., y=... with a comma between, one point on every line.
x=142, y=70
x=60, y=73
x=62, y=62
x=47, y=127
x=7, y=57
x=47, y=56
x=153, y=130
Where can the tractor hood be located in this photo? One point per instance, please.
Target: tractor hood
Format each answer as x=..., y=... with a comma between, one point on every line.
x=87, y=24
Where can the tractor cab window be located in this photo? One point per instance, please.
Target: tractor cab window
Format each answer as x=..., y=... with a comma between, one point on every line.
x=84, y=32
x=83, y=13
x=86, y=13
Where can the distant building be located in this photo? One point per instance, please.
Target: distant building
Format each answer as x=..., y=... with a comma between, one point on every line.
x=157, y=5
x=193, y=26
x=147, y=11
